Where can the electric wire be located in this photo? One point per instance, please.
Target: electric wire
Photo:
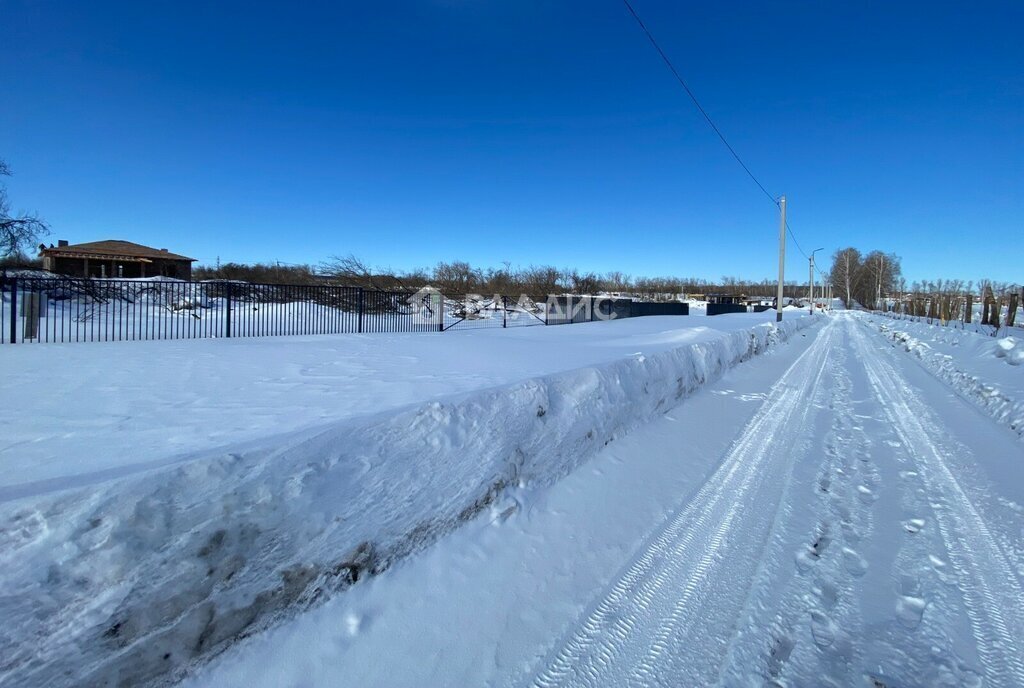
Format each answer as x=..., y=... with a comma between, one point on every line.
x=682, y=82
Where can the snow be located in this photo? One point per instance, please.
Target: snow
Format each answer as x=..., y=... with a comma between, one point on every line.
x=484, y=604
x=827, y=514
x=196, y=491
x=602, y=504
x=983, y=369
x=125, y=407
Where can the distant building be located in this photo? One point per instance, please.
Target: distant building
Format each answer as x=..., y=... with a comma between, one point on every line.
x=113, y=258
x=726, y=299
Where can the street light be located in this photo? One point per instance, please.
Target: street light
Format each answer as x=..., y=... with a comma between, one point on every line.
x=810, y=262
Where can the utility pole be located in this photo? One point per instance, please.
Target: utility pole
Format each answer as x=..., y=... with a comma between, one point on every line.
x=810, y=284
x=782, y=257
x=810, y=262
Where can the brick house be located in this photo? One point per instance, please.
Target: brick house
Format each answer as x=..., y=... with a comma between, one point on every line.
x=114, y=258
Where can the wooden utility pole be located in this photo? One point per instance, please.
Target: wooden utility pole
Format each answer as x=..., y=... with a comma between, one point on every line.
x=782, y=257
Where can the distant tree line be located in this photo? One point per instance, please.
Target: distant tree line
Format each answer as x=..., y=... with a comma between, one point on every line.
x=460, y=277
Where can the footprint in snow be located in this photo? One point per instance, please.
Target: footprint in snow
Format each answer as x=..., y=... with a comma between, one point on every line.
x=809, y=555
x=866, y=494
x=909, y=610
x=827, y=594
x=779, y=654
x=855, y=564
x=913, y=525
x=823, y=629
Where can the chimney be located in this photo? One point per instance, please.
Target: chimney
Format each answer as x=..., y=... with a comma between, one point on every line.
x=62, y=242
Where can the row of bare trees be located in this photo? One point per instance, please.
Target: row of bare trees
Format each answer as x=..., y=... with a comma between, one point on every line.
x=460, y=277
x=865, y=279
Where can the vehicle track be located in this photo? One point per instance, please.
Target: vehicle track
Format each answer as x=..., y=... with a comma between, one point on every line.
x=697, y=569
x=991, y=592
x=782, y=571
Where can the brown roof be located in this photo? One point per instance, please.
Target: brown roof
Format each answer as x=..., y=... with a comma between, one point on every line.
x=113, y=249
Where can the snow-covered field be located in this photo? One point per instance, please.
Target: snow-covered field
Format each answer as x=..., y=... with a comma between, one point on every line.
x=160, y=501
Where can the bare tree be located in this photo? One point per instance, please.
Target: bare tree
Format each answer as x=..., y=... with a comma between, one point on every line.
x=457, y=277
x=846, y=265
x=582, y=283
x=351, y=271
x=879, y=275
x=18, y=232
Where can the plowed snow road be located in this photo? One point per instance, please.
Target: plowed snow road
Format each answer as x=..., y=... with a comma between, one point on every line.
x=861, y=527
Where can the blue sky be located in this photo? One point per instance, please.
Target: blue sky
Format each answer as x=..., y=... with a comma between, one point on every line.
x=530, y=132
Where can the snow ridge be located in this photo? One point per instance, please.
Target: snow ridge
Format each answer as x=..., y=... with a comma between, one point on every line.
x=992, y=399
x=135, y=581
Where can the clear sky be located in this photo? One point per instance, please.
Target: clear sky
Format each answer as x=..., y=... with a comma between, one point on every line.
x=523, y=131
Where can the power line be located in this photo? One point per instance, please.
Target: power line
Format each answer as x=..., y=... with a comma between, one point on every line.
x=711, y=123
x=797, y=243
x=696, y=102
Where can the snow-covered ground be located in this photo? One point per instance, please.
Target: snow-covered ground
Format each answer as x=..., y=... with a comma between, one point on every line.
x=598, y=505
x=827, y=515
x=76, y=414
x=162, y=500
x=985, y=369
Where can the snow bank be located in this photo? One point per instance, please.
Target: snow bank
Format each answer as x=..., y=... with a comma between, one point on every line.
x=135, y=579
x=125, y=407
x=985, y=370
x=1011, y=350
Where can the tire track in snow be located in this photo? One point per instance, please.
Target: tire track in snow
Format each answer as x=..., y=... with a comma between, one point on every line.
x=699, y=566
x=800, y=623
x=992, y=594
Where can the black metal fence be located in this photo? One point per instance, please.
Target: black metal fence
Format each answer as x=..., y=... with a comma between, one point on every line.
x=641, y=308
x=65, y=309
x=69, y=309
x=723, y=308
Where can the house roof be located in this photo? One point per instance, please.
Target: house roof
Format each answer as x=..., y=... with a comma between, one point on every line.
x=113, y=249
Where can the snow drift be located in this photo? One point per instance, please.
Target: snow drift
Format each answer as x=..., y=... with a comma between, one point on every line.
x=136, y=580
x=973, y=364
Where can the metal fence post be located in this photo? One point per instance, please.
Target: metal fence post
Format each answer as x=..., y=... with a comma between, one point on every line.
x=440, y=311
x=227, y=320
x=360, y=326
x=504, y=311
x=14, y=310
